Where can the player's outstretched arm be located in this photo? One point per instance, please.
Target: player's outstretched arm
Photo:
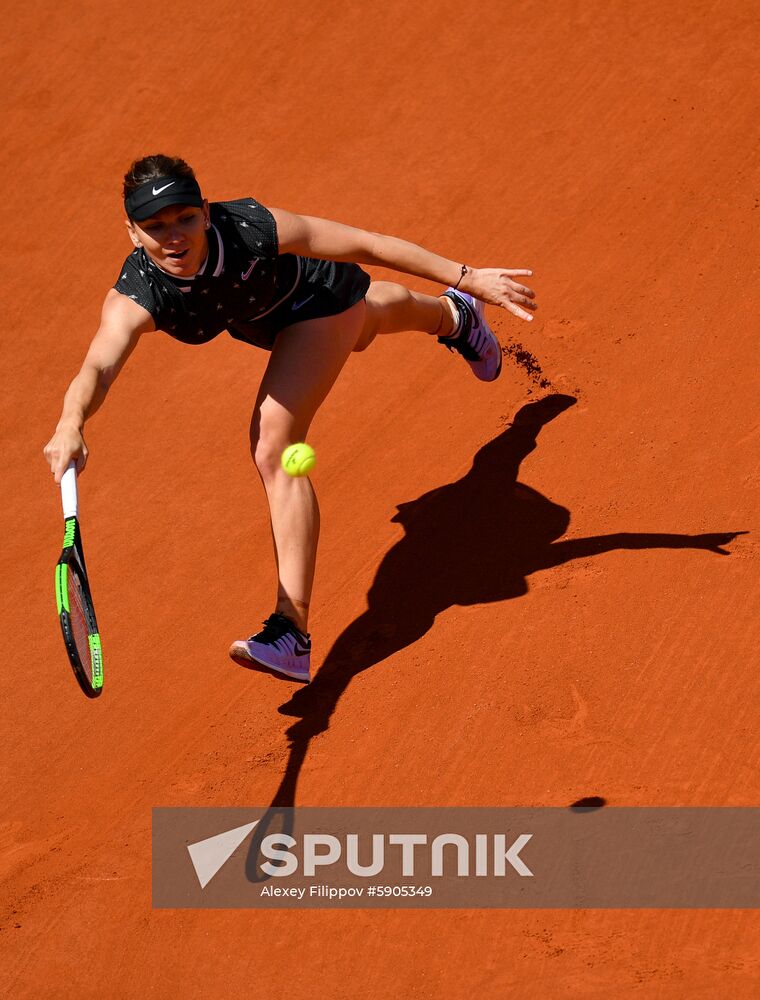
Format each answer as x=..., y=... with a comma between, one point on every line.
x=312, y=237
x=121, y=324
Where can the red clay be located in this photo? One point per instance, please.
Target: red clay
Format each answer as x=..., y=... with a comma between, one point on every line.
x=613, y=148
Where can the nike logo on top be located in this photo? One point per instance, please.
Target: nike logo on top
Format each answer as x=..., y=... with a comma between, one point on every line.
x=159, y=190
x=247, y=274
x=297, y=305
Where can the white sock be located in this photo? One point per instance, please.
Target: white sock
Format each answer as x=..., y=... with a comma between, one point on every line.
x=457, y=316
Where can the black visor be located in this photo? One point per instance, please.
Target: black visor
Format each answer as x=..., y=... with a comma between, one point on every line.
x=154, y=195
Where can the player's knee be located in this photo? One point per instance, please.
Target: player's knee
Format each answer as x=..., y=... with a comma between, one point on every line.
x=266, y=451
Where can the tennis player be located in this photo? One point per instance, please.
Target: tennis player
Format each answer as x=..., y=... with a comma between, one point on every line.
x=292, y=285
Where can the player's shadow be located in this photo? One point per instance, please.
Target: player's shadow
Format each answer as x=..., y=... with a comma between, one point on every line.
x=474, y=541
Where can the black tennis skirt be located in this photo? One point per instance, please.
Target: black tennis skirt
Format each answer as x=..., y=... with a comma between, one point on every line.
x=322, y=288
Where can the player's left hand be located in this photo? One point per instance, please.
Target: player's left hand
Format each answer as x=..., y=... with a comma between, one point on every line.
x=497, y=285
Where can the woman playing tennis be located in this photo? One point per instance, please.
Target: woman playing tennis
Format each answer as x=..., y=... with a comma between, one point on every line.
x=292, y=285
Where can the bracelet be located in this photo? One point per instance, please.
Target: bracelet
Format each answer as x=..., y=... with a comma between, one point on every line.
x=464, y=271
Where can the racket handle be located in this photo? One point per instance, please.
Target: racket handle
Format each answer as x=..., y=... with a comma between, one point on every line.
x=69, y=491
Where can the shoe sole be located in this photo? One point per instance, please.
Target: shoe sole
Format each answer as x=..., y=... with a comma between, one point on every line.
x=243, y=658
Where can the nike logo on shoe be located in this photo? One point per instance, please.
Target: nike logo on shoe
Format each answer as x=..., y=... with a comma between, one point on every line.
x=248, y=273
x=298, y=305
x=159, y=190
x=297, y=651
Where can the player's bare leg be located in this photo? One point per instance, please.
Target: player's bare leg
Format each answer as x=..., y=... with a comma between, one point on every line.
x=305, y=362
x=455, y=318
x=393, y=308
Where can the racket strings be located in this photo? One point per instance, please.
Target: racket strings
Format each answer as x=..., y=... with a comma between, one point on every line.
x=78, y=618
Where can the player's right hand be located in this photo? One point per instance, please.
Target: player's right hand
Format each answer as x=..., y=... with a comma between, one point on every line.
x=66, y=445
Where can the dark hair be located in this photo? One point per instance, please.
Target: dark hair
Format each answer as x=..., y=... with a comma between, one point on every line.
x=148, y=168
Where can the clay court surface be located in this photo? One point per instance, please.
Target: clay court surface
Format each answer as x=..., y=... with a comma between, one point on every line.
x=513, y=606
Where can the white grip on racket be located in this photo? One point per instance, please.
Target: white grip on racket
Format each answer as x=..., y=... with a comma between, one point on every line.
x=69, y=491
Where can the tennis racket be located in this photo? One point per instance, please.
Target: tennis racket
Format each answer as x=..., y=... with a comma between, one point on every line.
x=72, y=595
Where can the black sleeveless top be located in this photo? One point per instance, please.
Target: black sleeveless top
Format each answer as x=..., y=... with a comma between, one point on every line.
x=243, y=279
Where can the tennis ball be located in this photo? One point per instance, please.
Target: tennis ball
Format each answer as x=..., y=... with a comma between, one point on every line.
x=298, y=459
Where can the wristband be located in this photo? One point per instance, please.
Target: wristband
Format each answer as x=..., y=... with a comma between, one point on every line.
x=464, y=271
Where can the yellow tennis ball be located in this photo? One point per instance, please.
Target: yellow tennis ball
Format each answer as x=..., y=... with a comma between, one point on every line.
x=298, y=459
